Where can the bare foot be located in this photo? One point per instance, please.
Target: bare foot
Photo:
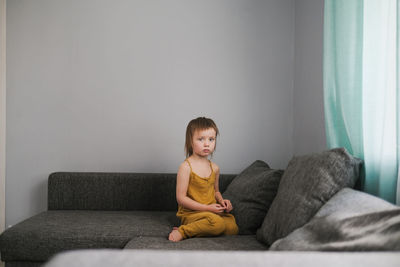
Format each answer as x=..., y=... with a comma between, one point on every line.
x=175, y=236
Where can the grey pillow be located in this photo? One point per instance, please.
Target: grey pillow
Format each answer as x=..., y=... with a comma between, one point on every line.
x=349, y=221
x=251, y=194
x=308, y=182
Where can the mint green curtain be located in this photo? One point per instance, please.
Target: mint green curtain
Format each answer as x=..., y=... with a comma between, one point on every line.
x=361, y=87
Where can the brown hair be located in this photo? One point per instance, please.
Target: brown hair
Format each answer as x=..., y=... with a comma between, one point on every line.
x=201, y=123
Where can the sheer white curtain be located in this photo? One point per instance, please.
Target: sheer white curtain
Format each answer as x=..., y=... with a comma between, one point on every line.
x=361, y=87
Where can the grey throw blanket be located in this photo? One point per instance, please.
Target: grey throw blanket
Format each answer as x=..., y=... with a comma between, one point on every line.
x=367, y=232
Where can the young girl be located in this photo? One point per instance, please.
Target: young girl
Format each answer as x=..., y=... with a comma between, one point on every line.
x=201, y=208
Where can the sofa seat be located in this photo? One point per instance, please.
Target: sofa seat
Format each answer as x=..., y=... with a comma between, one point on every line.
x=57, y=230
x=237, y=242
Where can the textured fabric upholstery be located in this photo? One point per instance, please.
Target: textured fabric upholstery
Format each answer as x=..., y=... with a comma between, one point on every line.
x=47, y=233
x=348, y=221
x=308, y=183
x=251, y=194
x=95, y=210
x=115, y=191
x=349, y=202
x=236, y=242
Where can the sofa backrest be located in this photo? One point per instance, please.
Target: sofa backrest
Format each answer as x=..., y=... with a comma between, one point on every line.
x=115, y=191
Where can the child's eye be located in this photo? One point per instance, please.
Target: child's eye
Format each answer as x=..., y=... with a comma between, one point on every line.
x=212, y=139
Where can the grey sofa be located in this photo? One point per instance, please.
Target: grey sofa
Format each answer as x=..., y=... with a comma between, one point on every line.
x=311, y=207
x=106, y=210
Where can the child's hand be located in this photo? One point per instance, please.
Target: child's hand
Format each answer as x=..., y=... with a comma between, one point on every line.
x=226, y=203
x=216, y=208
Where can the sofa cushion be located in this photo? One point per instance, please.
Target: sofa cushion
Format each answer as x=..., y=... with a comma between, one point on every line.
x=251, y=194
x=115, y=191
x=308, y=182
x=235, y=242
x=41, y=236
x=349, y=221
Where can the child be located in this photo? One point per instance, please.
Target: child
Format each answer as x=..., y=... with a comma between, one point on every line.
x=201, y=208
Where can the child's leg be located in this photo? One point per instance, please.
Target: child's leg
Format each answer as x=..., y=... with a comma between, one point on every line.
x=231, y=227
x=201, y=224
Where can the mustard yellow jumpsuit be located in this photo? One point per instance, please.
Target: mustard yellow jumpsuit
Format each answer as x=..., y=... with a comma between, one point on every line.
x=204, y=223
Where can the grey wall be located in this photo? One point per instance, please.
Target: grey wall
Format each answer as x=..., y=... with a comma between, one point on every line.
x=96, y=85
x=308, y=126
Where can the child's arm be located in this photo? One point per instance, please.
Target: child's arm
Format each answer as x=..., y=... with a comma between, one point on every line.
x=225, y=203
x=182, y=184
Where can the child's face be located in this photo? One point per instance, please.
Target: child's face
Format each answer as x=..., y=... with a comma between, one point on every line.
x=204, y=142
